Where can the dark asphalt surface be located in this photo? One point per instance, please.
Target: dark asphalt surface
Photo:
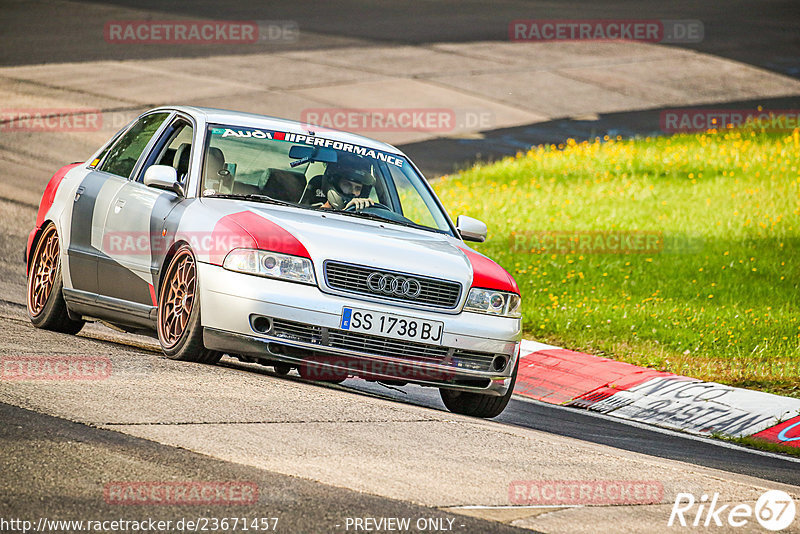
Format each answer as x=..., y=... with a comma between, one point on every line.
x=763, y=33
x=57, y=469
x=587, y=426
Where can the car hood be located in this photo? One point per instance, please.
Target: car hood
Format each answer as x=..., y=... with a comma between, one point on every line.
x=335, y=237
x=328, y=235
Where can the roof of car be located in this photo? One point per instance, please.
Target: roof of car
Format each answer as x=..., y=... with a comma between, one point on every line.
x=223, y=116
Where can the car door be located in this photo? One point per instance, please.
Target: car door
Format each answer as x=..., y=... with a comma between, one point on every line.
x=136, y=233
x=94, y=195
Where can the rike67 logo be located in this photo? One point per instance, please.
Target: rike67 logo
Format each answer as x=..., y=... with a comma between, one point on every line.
x=775, y=510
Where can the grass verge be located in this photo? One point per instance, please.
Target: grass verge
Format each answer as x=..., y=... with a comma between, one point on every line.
x=677, y=253
x=755, y=443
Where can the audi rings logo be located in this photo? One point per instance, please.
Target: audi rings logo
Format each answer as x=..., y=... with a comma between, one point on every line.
x=390, y=284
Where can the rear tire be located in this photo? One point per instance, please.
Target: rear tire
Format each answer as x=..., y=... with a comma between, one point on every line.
x=477, y=404
x=179, y=329
x=45, y=300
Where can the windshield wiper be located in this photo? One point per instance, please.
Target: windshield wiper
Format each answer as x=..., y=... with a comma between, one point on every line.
x=256, y=198
x=372, y=216
x=376, y=217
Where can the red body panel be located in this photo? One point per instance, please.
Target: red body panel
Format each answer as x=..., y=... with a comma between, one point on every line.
x=47, y=202
x=50, y=192
x=487, y=274
x=262, y=233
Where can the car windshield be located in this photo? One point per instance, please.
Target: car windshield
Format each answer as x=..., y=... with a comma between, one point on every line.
x=313, y=172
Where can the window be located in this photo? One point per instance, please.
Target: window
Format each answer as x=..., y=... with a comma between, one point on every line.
x=126, y=151
x=416, y=204
x=173, y=149
x=108, y=147
x=242, y=161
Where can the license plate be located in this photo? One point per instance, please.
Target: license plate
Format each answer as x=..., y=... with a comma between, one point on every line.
x=392, y=326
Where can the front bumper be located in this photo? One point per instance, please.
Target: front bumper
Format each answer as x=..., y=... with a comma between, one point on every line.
x=230, y=301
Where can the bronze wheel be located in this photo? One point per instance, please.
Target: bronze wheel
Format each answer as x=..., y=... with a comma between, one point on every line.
x=177, y=298
x=45, y=301
x=42, y=275
x=179, y=329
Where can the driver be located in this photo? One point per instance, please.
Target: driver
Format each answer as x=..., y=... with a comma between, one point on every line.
x=347, y=183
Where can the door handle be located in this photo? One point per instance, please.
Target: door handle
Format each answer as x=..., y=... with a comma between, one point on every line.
x=118, y=205
x=79, y=192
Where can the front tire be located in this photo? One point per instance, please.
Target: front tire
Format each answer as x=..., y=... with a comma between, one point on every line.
x=45, y=300
x=478, y=404
x=179, y=329
x=281, y=368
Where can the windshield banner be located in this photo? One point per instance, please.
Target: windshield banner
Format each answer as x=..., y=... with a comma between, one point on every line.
x=312, y=140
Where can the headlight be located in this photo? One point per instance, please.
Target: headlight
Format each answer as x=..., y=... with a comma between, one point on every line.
x=494, y=302
x=271, y=265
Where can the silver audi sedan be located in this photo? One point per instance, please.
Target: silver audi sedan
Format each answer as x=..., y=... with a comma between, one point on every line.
x=280, y=243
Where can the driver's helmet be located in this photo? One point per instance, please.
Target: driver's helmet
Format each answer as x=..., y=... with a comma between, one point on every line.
x=347, y=167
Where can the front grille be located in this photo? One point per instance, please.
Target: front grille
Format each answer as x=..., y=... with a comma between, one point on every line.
x=296, y=331
x=353, y=278
x=380, y=346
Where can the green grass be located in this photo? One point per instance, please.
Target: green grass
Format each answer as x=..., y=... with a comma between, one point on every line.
x=719, y=302
x=761, y=444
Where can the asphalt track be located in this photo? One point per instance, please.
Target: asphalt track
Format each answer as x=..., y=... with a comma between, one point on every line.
x=759, y=33
x=60, y=442
x=51, y=463
x=595, y=428
x=368, y=451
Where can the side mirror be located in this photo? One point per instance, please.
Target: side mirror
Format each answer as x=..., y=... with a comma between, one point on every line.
x=471, y=229
x=163, y=177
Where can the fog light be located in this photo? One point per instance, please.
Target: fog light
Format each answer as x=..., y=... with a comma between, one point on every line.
x=262, y=324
